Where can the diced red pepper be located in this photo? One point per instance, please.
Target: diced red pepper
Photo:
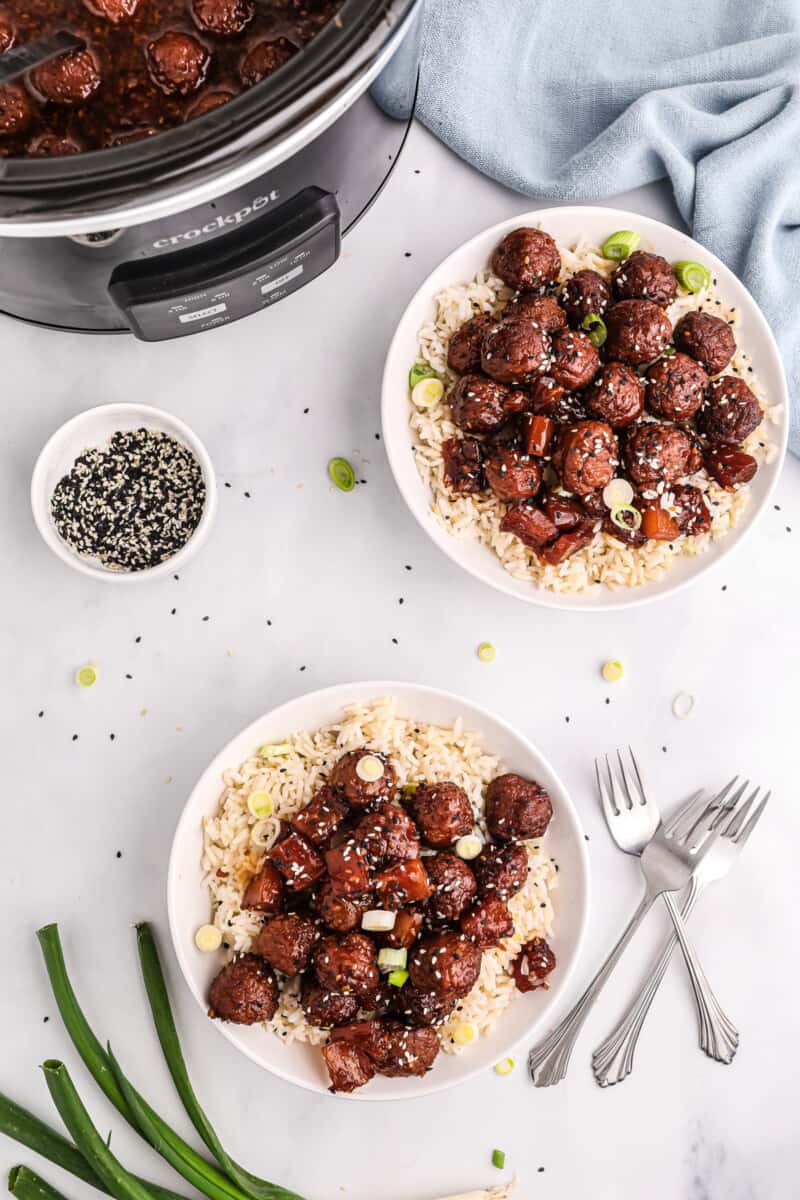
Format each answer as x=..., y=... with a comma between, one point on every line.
x=347, y=867
x=730, y=467
x=407, y=926
x=658, y=524
x=537, y=434
x=265, y=891
x=529, y=524
x=405, y=883
x=567, y=544
x=321, y=817
x=564, y=511
x=298, y=862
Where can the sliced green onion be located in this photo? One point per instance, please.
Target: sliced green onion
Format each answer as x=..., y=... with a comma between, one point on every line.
x=398, y=978
x=378, y=920
x=419, y=371
x=487, y=652
x=620, y=244
x=596, y=328
x=620, y=518
x=669, y=352
x=617, y=492
x=392, y=960
x=504, y=1067
x=613, y=671
x=469, y=846
x=408, y=789
x=342, y=474
x=208, y=939
x=692, y=275
x=86, y=676
x=465, y=1033
x=259, y=805
x=369, y=768
x=427, y=393
x=498, y=1159
x=274, y=750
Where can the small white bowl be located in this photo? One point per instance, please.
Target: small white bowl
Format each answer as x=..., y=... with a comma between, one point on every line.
x=94, y=427
x=189, y=904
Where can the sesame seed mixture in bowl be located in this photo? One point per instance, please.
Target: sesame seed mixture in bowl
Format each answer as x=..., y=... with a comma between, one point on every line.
x=379, y=896
x=597, y=416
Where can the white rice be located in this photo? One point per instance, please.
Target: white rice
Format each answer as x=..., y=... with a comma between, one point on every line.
x=606, y=560
x=234, y=843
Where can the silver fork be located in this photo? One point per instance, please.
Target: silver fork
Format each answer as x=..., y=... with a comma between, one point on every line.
x=668, y=864
x=612, y=1061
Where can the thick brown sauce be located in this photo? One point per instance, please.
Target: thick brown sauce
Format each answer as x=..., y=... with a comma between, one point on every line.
x=128, y=104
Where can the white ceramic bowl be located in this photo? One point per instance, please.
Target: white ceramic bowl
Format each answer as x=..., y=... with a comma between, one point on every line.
x=566, y=224
x=189, y=906
x=94, y=427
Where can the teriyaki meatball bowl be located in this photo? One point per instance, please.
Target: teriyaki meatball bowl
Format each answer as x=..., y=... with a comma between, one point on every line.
x=584, y=408
x=377, y=890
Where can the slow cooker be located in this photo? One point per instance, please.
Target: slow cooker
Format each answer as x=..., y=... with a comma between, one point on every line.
x=227, y=214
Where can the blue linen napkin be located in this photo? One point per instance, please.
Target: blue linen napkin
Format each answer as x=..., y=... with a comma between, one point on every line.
x=577, y=100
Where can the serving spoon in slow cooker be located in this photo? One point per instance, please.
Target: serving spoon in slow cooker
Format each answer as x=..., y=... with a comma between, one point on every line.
x=32, y=54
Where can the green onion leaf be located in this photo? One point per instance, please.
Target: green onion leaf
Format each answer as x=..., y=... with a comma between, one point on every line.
x=692, y=275
x=620, y=244
x=498, y=1159
x=27, y=1185
x=390, y=960
x=626, y=517
x=420, y=370
x=342, y=474
x=596, y=328
x=398, y=979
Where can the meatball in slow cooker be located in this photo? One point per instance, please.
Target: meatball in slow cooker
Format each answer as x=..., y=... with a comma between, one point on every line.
x=68, y=79
x=527, y=259
x=245, y=992
x=178, y=63
x=731, y=411
x=207, y=103
x=675, y=387
x=514, y=351
x=638, y=331
x=223, y=17
x=616, y=395
x=644, y=276
x=113, y=10
x=8, y=31
x=51, y=145
x=707, y=339
x=16, y=109
x=264, y=58
x=585, y=293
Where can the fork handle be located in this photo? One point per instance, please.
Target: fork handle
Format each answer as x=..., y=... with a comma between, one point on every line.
x=548, y=1062
x=612, y=1061
x=719, y=1037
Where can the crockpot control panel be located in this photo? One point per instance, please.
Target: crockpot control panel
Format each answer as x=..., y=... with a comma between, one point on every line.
x=204, y=286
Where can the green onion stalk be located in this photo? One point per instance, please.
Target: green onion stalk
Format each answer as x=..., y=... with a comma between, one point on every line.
x=27, y=1185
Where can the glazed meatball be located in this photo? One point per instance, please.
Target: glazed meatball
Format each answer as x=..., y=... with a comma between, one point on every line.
x=407, y=1051
x=324, y=1008
x=245, y=992
x=347, y=965
x=501, y=870
x=464, y=351
x=358, y=792
x=349, y=1067
x=512, y=475
x=527, y=522
x=544, y=311
x=298, y=861
x=51, y=145
x=8, y=31
x=264, y=58
x=730, y=413
x=657, y=453
x=265, y=891
x=223, y=17
x=575, y=360
x=342, y=913
x=515, y=350
x=675, y=387
x=445, y=963
x=178, y=63
x=533, y=964
x=443, y=813
x=707, y=339
x=481, y=405
x=463, y=465
x=616, y=395
x=454, y=888
x=387, y=835
x=422, y=1008
x=527, y=259
x=585, y=293
x=286, y=942
x=487, y=922
x=113, y=10
x=689, y=508
x=68, y=79
x=207, y=103
x=321, y=817
x=586, y=456
x=644, y=276
x=638, y=331
x=517, y=808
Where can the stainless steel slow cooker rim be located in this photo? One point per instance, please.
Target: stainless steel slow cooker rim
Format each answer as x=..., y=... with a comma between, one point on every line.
x=183, y=194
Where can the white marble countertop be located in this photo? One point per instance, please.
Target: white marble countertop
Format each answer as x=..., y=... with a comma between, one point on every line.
x=87, y=821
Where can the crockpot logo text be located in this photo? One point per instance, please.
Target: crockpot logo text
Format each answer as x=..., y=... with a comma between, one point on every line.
x=234, y=218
